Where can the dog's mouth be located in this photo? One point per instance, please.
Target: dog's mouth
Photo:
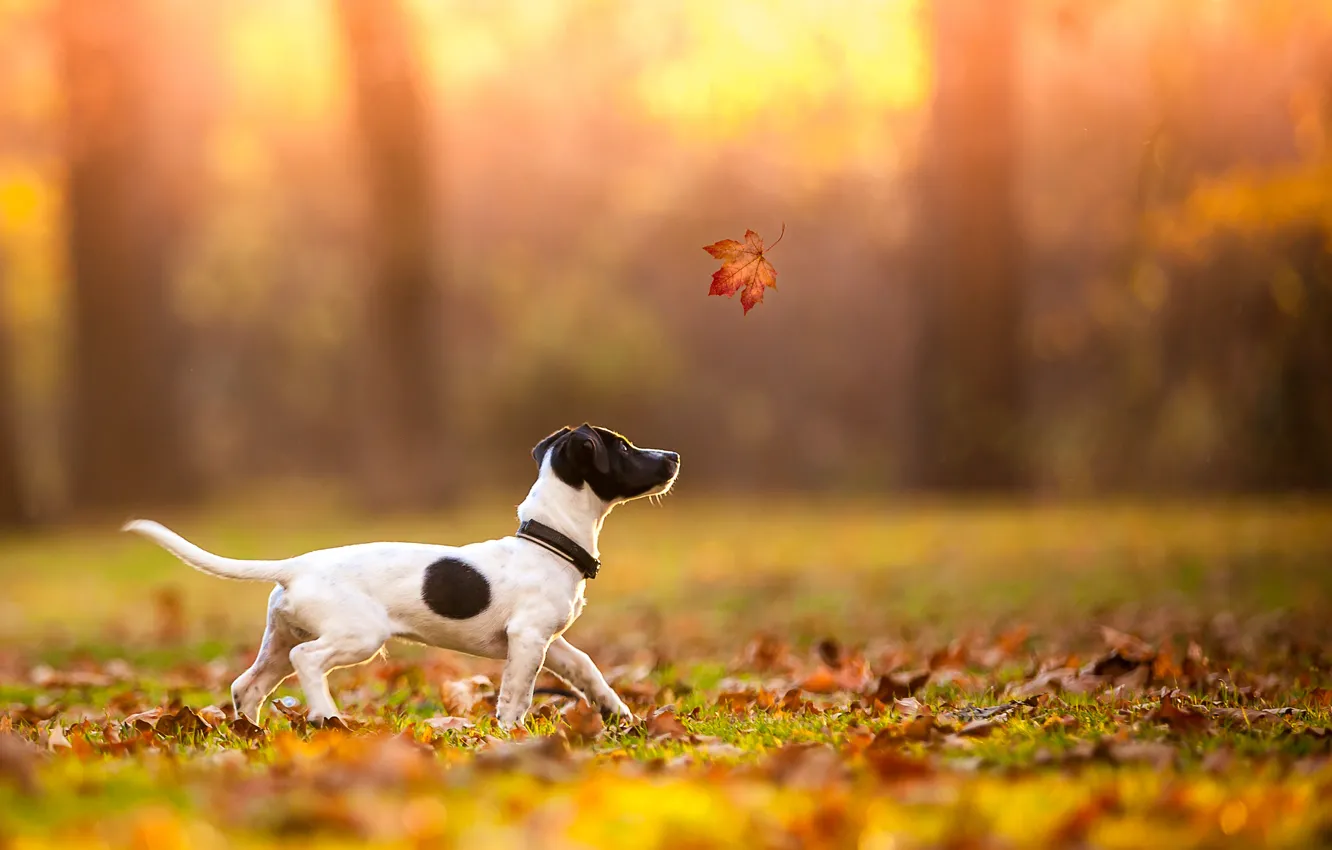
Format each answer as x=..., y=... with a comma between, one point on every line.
x=656, y=494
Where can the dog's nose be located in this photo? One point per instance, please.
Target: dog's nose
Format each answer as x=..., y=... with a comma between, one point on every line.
x=673, y=460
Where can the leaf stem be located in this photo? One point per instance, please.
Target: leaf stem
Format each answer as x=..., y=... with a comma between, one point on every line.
x=779, y=239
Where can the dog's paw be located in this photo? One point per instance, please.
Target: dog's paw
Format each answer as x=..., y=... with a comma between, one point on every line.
x=619, y=715
x=333, y=721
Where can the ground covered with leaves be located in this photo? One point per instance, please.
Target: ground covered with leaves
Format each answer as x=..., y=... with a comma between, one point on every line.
x=840, y=675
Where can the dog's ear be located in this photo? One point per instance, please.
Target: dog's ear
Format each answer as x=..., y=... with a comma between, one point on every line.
x=540, y=449
x=590, y=445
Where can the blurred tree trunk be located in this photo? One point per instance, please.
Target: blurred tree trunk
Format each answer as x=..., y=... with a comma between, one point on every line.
x=968, y=386
x=127, y=443
x=405, y=426
x=13, y=507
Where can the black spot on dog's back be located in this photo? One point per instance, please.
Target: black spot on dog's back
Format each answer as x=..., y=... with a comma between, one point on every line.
x=454, y=589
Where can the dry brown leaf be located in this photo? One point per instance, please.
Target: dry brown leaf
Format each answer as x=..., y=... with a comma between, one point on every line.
x=242, y=728
x=1164, y=667
x=738, y=702
x=910, y=706
x=145, y=719
x=663, y=723
x=583, y=722
x=793, y=703
x=182, y=723
x=895, y=686
x=1128, y=646
x=1320, y=697
x=213, y=716
x=446, y=723
x=1179, y=715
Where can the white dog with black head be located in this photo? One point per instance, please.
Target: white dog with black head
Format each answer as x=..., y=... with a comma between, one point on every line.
x=511, y=598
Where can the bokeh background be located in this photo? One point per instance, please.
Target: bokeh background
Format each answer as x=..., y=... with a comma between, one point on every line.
x=376, y=250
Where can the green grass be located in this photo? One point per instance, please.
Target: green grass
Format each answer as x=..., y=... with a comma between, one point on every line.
x=87, y=631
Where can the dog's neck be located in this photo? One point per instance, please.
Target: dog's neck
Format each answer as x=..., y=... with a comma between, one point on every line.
x=577, y=514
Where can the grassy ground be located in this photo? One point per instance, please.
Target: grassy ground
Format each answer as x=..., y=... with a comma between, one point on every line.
x=808, y=674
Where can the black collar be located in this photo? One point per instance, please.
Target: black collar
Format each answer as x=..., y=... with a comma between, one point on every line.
x=547, y=537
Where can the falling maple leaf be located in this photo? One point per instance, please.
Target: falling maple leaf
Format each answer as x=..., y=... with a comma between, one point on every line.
x=744, y=268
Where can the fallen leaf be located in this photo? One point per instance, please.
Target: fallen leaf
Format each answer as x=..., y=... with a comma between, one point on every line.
x=584, y=722
x=446, y=724
x=744, y=269
x=1320, y=697
x=894, y=686
x=1128, y=646
x=55, y=738
x=242, y=728
x=145, y=719
x=821, y=681
x=1164, y=667
x=1179, y=715
x=213, y=716
x=909, y=706
x=664, y=724
x=182, y=723
x=1114, y=665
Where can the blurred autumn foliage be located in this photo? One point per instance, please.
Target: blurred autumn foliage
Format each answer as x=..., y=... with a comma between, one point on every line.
x=1045, y=246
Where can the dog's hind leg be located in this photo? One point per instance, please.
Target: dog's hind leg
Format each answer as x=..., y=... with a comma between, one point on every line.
x=314, y=660
x=574, y=666
x=271, y=666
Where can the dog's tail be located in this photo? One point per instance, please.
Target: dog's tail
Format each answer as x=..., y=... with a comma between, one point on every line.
x=207, y=562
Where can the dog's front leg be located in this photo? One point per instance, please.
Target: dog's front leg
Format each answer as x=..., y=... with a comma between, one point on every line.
x=527, y=652
x=574, y=666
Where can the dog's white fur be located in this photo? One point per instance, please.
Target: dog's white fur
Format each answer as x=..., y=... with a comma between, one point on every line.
x=337, y=607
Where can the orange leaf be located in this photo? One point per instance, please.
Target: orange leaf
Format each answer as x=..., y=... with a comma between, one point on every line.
x=664, y=724
x=744, y=269
x=821, y=681
x=584, y=722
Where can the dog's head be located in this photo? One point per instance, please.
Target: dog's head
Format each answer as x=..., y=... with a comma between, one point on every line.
x=613, y=467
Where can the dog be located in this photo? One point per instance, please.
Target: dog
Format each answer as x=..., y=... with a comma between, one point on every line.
x=511, y=598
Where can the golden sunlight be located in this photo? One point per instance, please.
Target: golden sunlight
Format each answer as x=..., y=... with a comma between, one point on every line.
x=746, y=58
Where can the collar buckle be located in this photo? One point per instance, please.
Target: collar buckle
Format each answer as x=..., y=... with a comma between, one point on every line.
x=557, y=543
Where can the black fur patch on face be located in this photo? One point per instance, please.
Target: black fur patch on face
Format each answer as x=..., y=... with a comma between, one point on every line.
x=454, y=589
x=612, y=466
